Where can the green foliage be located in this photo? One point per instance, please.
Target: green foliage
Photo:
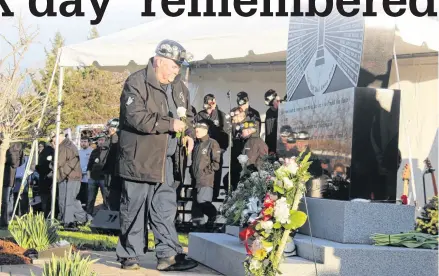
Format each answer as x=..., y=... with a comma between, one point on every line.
x=32, y=230
x=410, y=240
x=90, y=95
x=69, y=265
x=428, y=222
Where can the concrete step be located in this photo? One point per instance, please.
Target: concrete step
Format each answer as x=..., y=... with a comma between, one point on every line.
x=226, y=254
x=356, y=259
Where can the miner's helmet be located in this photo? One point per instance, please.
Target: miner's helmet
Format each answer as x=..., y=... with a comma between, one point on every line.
x=208, y=100
x=285, y=131
x=113, y=123
x=242, y=98
x=291, y=139
x=173, y=50
x=303, y=135
x=269, y=97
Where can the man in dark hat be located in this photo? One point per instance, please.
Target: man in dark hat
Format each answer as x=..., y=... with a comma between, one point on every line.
x=286, y=145
x=219, y=129
x=243, y=102
x=113, y=183
x=272, y=100
x=155, y=120
x=254, y=147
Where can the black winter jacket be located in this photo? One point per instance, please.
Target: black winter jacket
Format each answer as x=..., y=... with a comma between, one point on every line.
x=110, y=163
x=145, y=126
x=205, y=161
x=98, y=158
x=14, y=159
x=44, y=169
x=219, y=127
x=271, y=129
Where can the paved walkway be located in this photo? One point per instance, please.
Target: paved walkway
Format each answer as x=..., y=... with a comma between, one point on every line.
x=108, y=266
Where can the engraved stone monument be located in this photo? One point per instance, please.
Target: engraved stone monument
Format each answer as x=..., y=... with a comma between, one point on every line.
x=337, y=105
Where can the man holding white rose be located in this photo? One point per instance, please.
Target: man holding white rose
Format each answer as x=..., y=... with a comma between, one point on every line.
x=155, y=124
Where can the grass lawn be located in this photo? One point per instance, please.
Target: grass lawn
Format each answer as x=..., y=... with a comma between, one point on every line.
x=86, y=238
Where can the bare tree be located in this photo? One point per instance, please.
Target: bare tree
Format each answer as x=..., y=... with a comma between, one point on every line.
x=20, y=104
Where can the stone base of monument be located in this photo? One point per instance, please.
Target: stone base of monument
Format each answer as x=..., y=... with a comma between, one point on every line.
x=354, y=222
x=233, y=230
x=352, y=256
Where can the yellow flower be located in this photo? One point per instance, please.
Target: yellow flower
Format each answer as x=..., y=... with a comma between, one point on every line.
x=260, y=254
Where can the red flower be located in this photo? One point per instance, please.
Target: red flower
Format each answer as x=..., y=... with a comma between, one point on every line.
x=245, y=234
x=268, y=202
x=404, y=199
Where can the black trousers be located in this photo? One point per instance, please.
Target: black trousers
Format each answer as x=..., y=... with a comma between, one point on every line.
x=114, y=191
x=153, y=203
x=202, y=204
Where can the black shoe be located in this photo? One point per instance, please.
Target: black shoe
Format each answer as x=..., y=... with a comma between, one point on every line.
x=130, y=264
x=176, y=263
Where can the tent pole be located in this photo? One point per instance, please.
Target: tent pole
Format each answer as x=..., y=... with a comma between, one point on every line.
x=405, y=129
x=58, y=128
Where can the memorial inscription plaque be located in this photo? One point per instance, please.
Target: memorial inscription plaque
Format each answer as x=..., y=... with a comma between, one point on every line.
x=337, y=107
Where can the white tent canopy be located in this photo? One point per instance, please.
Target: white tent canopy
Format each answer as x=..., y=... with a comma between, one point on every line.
x=221, y=40
x=205, y=38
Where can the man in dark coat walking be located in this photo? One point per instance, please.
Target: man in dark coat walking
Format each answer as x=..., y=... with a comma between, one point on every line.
x=155, y=122
x=112, y=182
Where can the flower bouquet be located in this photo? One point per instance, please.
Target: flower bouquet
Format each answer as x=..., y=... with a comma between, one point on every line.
x=181, y=113
x=245, y=202
x=271, y=229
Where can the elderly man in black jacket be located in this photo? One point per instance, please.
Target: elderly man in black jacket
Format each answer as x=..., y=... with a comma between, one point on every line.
x=155, y=121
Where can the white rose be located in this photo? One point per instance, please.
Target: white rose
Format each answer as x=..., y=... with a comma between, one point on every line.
x=267, y=225
x=181, y=112
x=288, y=184
x=282, y=210
x=243, y=159
x=49, y=158
x=292, y=166
x=97, y=160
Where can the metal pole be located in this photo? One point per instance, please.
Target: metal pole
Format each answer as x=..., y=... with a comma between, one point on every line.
x=230, y=146
x=406, y=132
x=58, y=128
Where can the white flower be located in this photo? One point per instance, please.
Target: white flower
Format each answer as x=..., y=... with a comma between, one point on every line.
x=255, y=264
x=49, y=158
x=282, y=210
x=181, y=112
x=292, y=166
x=257, y=244
x=267, y=225
x=288, y=183
x=97, y=160
x=243, y=159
